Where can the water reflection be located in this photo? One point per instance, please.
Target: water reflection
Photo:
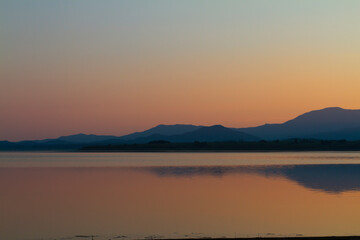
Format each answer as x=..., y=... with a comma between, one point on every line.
x=327, y=178
x=178, y=202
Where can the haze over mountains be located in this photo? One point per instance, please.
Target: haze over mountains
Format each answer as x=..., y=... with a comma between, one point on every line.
x=327, y=124
x=164, y=130
x=216, y=133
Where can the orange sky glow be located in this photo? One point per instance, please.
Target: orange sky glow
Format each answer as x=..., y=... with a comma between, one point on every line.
x=119, y=67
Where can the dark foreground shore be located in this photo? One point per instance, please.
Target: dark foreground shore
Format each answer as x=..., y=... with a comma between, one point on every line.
x=196, y=146
x=260, y=146
x=280, y=238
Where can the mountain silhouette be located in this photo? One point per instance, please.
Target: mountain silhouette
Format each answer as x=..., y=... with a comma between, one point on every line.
x=328, y=123
x=332, y=123
x=350, y=134
x=216, y=133
x=70, y=142
x=162, y=129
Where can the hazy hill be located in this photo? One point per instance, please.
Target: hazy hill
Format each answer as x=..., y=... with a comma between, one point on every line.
x=350, y=134
x=329, y=122
x=76, y=138
x=64, y=142
x=162, y=129
x=216, y=133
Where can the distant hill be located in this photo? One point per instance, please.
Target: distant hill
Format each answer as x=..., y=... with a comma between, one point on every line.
x=162, y=129
x=328, y=123
x=350, y=134
x=76, y=138
x=70, y=142
x=216, y=133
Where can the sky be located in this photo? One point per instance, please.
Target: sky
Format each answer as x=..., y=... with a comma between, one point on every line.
x=115, y=67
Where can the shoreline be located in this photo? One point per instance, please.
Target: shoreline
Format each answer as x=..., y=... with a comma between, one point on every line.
x=206, y=151
x=276, y=238
x=174, y=151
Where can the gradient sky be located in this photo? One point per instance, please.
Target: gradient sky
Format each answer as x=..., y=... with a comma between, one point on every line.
x=113, y=67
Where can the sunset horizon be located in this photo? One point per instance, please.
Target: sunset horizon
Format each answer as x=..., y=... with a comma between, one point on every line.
x=121, y=66
x=179, y=119
x=170, y=124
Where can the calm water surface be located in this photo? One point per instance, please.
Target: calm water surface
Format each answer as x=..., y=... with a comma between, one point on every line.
x=157, y=195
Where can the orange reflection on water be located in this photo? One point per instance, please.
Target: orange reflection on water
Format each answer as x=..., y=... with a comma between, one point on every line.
x=137, y=202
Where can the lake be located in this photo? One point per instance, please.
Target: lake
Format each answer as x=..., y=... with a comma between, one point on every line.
x=46, y=195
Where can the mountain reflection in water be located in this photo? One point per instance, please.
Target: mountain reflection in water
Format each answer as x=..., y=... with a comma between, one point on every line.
x=332, y=178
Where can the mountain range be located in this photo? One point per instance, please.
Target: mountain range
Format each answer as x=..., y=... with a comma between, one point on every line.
x=326, y=124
